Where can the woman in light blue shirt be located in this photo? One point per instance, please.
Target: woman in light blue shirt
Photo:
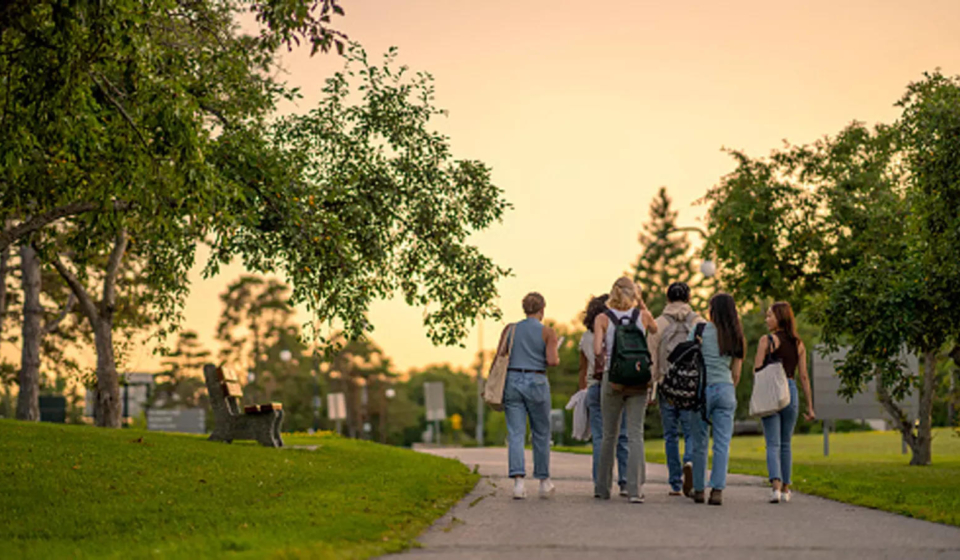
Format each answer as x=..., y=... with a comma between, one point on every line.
x=526, y=394
x=723, y=347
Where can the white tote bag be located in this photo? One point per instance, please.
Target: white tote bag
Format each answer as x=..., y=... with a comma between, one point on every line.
x=771, y=393
x=493, y=388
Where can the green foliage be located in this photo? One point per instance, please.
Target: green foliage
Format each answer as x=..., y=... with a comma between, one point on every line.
x=377, y=205
x=181, y=384
x=864, y=226
x=83, y=493
x=666, y=256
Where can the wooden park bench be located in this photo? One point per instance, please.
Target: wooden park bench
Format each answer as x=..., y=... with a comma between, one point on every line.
x=235, y=421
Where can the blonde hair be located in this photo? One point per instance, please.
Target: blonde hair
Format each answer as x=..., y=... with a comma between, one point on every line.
x=623, y=295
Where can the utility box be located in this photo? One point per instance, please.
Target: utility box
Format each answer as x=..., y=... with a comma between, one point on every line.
x=53, y=408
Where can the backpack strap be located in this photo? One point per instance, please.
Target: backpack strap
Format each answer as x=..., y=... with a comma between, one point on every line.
x=635, y=315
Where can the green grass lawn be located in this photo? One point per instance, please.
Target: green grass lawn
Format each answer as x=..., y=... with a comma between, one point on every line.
x=864, y=468
x=83, y=492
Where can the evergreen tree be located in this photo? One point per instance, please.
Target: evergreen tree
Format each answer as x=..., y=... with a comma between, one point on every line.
x=665, y=257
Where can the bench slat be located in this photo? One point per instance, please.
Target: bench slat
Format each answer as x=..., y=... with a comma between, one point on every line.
x=232, y=389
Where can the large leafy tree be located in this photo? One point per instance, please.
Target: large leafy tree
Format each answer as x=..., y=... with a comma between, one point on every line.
x=152, y=122
x=864, y=227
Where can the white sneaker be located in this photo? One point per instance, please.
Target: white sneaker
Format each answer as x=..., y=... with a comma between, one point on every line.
x=785, y=496
x=637, y=499
x=519, y=492
x=547, y=488
x=775, y=496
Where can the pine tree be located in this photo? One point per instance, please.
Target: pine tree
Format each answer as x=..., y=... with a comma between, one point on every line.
x=665, y=257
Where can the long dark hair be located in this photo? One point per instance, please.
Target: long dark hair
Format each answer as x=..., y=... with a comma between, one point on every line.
x=724, y=316
x=595, y=307
x=786, y=323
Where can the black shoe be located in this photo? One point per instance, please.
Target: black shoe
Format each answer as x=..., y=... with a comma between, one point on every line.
x=697, y=496
x=687, y=479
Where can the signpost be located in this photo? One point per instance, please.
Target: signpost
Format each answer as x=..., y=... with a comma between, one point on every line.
x=436, y=405
x=830, y=405
x=337, y=408
x=185, y=420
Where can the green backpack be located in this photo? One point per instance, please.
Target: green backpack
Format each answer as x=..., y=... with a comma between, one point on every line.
x=630, y=359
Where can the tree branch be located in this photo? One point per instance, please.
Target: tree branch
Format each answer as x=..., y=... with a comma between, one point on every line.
x=86, y=304
x=955, y=353
x=113, y=268
x=11, y=235
x=123, y=112
x=53, y=325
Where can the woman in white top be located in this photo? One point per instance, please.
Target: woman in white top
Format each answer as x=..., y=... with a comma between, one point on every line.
x=590, y=381
x=625, y=302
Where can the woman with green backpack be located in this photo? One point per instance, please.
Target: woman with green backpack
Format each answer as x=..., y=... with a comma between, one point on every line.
x=620, y=346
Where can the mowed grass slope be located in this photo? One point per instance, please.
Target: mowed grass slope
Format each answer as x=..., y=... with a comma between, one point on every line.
x=82, y=492
x=864, y=468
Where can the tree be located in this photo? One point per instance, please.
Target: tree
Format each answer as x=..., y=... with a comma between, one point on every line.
x=109, y=109
x=256, y=313
x=864, y=227
x=351, y=202
x=180, y=384
x=666, y=255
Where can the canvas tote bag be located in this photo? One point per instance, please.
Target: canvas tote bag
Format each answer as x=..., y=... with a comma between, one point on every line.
x=493, y=388
x=771, y=394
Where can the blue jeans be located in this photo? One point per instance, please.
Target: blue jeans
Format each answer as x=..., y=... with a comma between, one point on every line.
x=778, y=430
x=528, y=395
x=673, y=419
x=721, y=406
x=596, y=435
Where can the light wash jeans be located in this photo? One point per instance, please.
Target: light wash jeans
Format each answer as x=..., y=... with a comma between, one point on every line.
x=528, y=395
x=596, y=435
x=721, y=406
x=673, y=419
x=613, y=404
x=778, y=431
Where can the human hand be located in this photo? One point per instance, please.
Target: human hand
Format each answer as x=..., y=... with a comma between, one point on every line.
x=810, y=416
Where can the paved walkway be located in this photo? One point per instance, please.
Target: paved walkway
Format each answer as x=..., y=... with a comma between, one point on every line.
x=489, y=524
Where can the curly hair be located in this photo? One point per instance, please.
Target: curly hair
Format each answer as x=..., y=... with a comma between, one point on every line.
x=595, y=307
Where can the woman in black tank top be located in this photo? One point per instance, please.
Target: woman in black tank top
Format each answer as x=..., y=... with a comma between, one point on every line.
x=778, y=427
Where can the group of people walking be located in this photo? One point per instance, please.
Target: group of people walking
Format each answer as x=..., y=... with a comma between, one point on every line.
x=616, y=410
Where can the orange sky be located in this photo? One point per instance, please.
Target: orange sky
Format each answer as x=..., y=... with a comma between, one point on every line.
x=584, y=109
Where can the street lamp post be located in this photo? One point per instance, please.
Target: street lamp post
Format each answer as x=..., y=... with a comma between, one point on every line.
x=480, y=385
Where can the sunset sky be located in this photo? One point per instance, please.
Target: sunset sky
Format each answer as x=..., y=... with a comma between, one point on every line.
x=584, y=109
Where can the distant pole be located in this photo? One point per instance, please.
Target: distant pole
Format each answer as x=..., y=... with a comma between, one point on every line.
x=480, y=385
x=826, y=438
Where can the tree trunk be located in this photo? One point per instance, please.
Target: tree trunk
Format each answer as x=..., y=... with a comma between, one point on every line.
x=4, y=259
x=922, y=454
x=28, y=403
x=109, y=408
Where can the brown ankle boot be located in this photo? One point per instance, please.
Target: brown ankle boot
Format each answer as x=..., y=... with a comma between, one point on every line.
x=716, y=497
x=698, y=496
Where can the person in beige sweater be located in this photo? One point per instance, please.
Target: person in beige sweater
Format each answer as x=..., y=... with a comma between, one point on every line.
x=674, y=325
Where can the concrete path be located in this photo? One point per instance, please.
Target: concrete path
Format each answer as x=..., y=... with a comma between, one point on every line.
x=575, y=525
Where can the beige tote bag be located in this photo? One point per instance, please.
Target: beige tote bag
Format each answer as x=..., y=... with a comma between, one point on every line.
x=771, y=393
x=497, y=379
